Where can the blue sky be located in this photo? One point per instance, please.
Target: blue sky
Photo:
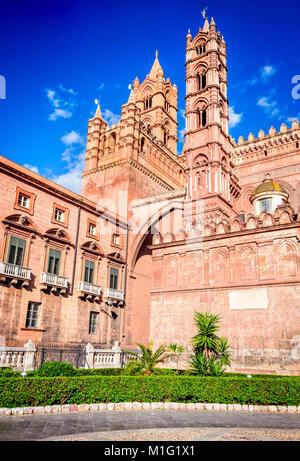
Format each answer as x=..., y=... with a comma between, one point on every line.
x=58, y=56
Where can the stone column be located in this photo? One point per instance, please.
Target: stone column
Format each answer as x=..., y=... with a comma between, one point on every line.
x=117, y=355
x=89, y=350
x=30, y=350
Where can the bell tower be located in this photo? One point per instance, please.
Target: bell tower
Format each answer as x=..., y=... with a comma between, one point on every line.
x=208, y=145
x=157, y=100
x=137, y=157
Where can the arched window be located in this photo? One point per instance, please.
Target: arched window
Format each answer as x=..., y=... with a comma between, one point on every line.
x=201, y=78
x=166, y=137
x=148, y=103
x=202, y=118
x=112, y=142
x=142, y=144
x=201, y=49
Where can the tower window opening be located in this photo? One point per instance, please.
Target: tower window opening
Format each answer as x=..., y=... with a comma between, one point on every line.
x=166, y=137
x=202, y=118
x=201, y=81
x=201, y=49
x=148, y=103
x=297, y=145
x=266, y=153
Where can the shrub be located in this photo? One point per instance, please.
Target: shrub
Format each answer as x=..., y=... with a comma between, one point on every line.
x=210, y=352
x=99, y=372
x=146, y=359
x=7, y=372
x=52, y=369
x=103, y=389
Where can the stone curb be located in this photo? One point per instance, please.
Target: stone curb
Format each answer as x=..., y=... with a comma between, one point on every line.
x=135, y=406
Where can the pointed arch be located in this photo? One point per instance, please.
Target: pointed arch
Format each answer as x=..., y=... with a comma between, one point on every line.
x=219, y=267
x=286, y=266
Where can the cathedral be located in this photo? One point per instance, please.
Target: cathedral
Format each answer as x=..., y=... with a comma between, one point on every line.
x=156, y=236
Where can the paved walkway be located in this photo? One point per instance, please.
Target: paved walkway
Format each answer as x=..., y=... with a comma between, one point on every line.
x=151, y=426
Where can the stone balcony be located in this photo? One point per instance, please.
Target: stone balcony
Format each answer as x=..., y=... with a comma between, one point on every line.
x=88, y=289
x=115, y=295
x=16, y=275
x=54, y=283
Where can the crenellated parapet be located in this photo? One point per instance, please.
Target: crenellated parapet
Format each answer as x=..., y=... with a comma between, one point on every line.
x=266, y=145
x=213, y=226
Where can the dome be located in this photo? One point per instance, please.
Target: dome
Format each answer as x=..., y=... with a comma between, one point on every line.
x=268, y=185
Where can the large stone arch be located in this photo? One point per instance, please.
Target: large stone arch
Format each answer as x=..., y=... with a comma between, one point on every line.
x=151, y=225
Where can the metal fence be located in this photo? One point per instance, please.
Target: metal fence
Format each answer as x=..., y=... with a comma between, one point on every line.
x=53, y=353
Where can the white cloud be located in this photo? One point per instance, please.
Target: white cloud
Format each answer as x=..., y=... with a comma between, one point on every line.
x=110, y=117
x=72, y=138
x=264, y=102
x=32, y=168
x=270, y=107
x=62, y=101
x=181, y=135
x=60, y=113
x=74, y=159
x=267, y=71
x=234, y=119
x=263, y=74
x=71, y=179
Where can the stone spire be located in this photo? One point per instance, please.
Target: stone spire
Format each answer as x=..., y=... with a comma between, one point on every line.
x=98, y=112
x=156, y=67
x=131, y=97
x=206, y=25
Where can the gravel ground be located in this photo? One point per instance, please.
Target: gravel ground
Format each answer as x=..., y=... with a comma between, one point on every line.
x=185, y=435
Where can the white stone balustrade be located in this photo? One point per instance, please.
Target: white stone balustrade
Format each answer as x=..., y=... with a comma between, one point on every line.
x=103, y=358
x=11, y=270
x=20, y=358
x=115, y=294
x=54, y=280
x=89, y=288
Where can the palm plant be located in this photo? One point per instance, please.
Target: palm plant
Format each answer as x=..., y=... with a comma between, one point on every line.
x=206, y=340
x=211, y=353
x=224, y=352
x=176, y=350
x=199, y=364
x=147, y=359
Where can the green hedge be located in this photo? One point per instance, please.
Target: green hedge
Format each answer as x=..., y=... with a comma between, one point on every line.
x=103, y=389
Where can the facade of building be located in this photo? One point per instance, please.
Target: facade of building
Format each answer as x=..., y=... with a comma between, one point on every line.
x=155, y=236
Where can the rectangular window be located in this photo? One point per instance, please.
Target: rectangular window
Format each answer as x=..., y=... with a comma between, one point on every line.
x=93, y=323
x=266, y=205
x=16, y=251
x=33, y=314
x=113, y=278
x=116, y=239
x=23, y=201
x=53, y=261
x=92, y=229
x=89, y=269
x=59, y=215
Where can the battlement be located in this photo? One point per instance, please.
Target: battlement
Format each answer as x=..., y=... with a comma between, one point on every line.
x=266, y=144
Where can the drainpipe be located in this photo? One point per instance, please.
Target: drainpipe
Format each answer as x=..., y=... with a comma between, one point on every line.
x=125, y=281
x=75, y=250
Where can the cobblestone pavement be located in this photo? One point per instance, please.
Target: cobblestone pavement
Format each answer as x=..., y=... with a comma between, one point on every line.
x=151, y=426
x=185, y=435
